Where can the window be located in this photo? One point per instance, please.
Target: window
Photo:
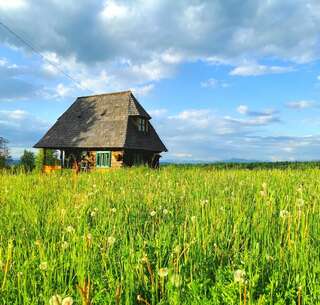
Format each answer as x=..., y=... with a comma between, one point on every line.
x=103, y=159
x=143, y=125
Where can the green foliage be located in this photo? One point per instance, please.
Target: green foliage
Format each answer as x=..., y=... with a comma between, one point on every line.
x=4, y=153
x=188, y=235
x=51, y=158
x=27, y=161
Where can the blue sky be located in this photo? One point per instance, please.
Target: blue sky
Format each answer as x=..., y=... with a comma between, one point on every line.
x=222, y=79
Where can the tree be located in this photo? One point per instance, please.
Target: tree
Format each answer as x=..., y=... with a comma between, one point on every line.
x=27, y=160
x=51, y=158
x=4, y=153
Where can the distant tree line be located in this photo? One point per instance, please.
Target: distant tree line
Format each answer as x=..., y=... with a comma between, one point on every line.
x=28, y=162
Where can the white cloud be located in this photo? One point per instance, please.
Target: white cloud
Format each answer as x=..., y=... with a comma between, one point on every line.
x=113, y=10
x=143, y=90
x=256, y=70
x=12, y=4
x=318, y=78
x=301, y=104
x=243, y=109
x=210, y=83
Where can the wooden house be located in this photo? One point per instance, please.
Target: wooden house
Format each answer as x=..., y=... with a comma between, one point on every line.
x=103, y=131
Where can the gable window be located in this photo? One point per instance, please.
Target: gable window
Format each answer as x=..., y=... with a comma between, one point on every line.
x=103, y=159
x=143, y=125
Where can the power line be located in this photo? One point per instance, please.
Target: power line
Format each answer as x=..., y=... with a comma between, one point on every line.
x=12, y=32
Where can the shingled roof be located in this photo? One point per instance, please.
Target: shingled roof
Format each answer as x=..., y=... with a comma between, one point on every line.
x=102, y=121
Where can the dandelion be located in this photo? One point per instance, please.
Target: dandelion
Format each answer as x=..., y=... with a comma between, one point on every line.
x=177, y=249
x=300, y=203
x=55, y=300
x=153, y=213
x=70, y=229
x=163, y=272
x=165, y=211
x=269, y=258
x=111, y=240
x=204, y=202
x=239, y=276
x=176, y=280
x=284, y=214
x=67, y=301
x=64, y=245
x=43, y=266
x=38, y=242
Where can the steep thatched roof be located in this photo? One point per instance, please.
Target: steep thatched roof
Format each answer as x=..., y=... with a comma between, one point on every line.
x=102, y=121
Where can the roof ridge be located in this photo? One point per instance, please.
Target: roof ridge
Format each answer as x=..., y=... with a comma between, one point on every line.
x=104, y=94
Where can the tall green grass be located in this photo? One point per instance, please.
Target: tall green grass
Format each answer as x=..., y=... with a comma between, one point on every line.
x=174, y=236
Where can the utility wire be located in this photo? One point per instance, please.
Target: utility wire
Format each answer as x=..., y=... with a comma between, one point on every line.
x=12, y=32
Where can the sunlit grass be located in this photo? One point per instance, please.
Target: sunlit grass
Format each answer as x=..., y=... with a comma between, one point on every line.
x=174, y=236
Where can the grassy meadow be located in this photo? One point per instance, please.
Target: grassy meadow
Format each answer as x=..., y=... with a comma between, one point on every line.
x=174, y=236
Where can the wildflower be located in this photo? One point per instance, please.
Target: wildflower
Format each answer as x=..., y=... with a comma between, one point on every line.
x=113, y=210
x=163, y=272
x=43, y=266
x=284, y=214
x=55, y=300
x=165, y=211
x=239, y=276
x=93, y=213
x=64, y=245
x=153, y=213
x=144, y=259
x=300, y=203
x=176, y=280
x=70, y=229
x=269, y=258
x=38, y=242
x=111, y=240
x=204, y=202
x=193, y=219
x=177, y=249
x=263, y=193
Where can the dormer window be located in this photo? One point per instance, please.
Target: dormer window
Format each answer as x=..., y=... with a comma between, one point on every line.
x=143, y=125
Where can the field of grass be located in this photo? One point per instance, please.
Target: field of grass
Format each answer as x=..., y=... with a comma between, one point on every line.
x=175, y=236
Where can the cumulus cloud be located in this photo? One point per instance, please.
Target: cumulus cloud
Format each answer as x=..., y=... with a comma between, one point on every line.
x=192, y=135
x=21, y=128
x=213, y=83
x=301, y=104
x=256, y=70
x=130, y=36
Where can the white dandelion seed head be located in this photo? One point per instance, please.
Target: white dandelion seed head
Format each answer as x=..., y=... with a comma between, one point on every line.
x=113, y=210
x=70, y=229
x=111, y=240
x=64, y=245
x=153, y=213
x=239, y=276
x=67, y=301
x=55, y=300
x=43, y=266
x=284, y=214
x=165, y=211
